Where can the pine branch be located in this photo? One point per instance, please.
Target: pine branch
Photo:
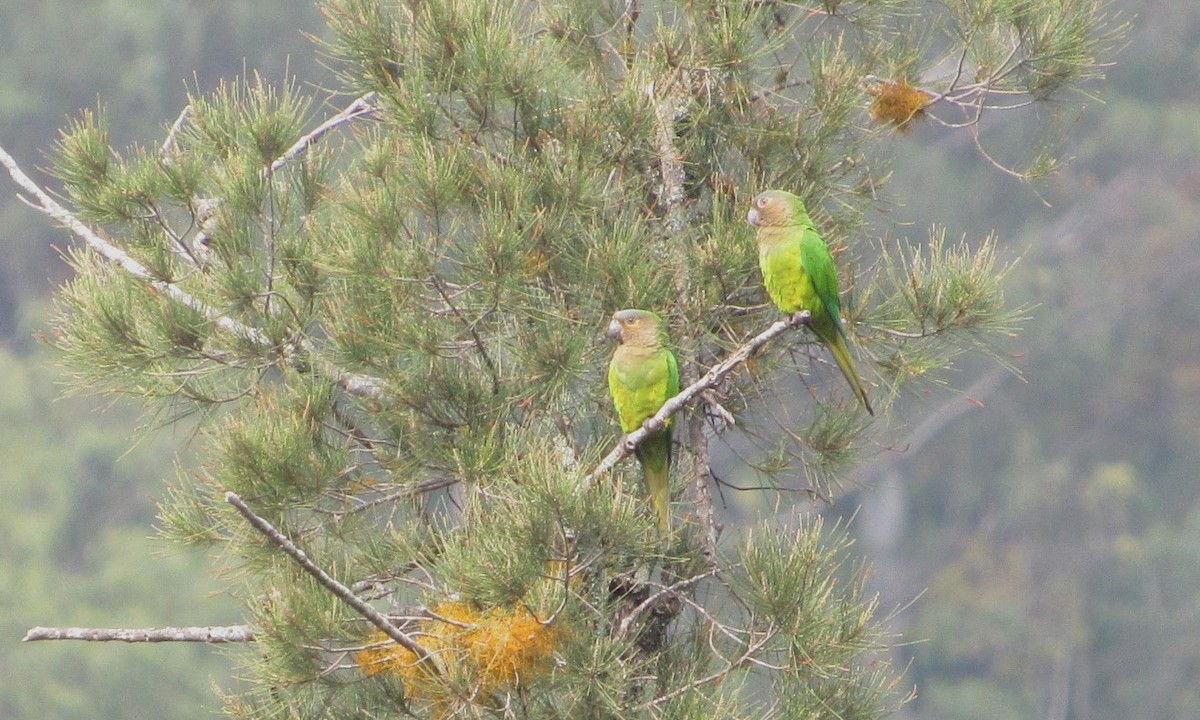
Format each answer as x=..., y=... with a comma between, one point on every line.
x=47, y=205
x=470, y=326
x=208, y=634
x=711, y=379
x=342, y=592
x=168, y=144
x=353, y=383
x=671, y=192
x=710, y=527
x=362, y=106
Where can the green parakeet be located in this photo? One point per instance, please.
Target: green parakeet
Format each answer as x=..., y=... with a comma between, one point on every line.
x=642, y=375
x=799, y=273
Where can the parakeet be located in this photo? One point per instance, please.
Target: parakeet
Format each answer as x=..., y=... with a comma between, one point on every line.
x=799, y=273
x=642, y=375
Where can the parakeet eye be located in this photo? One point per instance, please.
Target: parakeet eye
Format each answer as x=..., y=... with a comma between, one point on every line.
x=761, y=202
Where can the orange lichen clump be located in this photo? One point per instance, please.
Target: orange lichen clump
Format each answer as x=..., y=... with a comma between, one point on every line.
x=507, y=646
x=492, y=650
x=898, y=103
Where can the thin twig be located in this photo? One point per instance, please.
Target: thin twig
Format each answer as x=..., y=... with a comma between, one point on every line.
x=716, y=410
x=479, y=346
x=360, y=107
x=343, y=593
x=169, y=143
x=730, y=666
x=710, y=379
x=940, y=418
x=910, y=335
x=208, y=634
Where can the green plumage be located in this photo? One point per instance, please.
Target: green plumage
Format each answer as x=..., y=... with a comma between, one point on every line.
x=799, y=274
x=642, y=375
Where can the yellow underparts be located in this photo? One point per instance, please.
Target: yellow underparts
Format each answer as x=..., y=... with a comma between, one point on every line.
x=786, y=281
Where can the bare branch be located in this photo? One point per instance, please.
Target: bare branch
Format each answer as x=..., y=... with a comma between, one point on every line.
x=169, y=143
x=940, y=418
x=47, y=205
x=717, y=411
x=353, y=383
x=710, y=379
x=343, y=593
x=208, y=634
x=361, y=106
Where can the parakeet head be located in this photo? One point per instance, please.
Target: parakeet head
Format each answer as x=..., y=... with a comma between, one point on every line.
x=635, y=327
x=777, y=208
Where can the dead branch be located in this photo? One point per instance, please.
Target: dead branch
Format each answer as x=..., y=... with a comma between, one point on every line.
x=361, y=107
x=208, y=634
x=343, y=593
x=667, y=109
x=353, y=383
x=169, y=143
x=671, y=590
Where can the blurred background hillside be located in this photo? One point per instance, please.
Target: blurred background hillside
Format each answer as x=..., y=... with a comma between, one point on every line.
x=76, y=524
x=1049, y=526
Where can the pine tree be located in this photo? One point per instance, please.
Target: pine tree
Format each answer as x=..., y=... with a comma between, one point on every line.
x=392, y=325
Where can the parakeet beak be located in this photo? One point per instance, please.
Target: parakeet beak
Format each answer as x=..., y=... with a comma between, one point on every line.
x=614, y=330
x=752, y=217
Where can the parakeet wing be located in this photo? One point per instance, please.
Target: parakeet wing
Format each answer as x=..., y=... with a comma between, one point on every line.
x=822, y=273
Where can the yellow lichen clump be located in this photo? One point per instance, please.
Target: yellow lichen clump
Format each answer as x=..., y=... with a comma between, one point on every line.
x=491, y=650
x=898, y=103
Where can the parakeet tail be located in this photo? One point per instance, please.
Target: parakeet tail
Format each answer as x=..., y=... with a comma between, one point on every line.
x=837, y=346
x=655, y=456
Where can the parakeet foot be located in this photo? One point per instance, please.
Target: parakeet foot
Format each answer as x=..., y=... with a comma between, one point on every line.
x=801, y=317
